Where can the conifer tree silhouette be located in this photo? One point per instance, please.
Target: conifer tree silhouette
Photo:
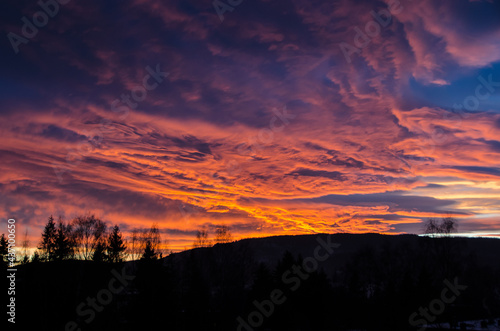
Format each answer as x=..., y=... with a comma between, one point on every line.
x=63, y=242
x=116, y=246
x=47, y=244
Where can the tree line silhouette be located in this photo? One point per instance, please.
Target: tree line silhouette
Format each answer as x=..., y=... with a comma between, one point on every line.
x=88, y=238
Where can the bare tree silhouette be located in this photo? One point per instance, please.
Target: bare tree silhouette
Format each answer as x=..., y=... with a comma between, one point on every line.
x=25, y=245
x=134, y=249
x=89, y=232
x=444, y=228
x=151, y=243
x=223, y=235
x=202, y=239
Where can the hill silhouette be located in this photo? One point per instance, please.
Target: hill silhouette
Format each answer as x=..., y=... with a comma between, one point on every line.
x=306, y=282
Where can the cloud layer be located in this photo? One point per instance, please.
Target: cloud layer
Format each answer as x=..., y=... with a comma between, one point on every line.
x=264, y=121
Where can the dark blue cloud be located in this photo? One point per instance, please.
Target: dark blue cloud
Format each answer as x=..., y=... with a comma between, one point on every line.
x=54, y=132
x=494, y=144
x=396, y=201
x=479, y=170
x=335, y=175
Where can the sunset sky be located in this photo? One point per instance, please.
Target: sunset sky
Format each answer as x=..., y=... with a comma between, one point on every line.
x=271, y=117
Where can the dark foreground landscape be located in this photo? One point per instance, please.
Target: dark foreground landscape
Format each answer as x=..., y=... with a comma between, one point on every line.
x=310, y=282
